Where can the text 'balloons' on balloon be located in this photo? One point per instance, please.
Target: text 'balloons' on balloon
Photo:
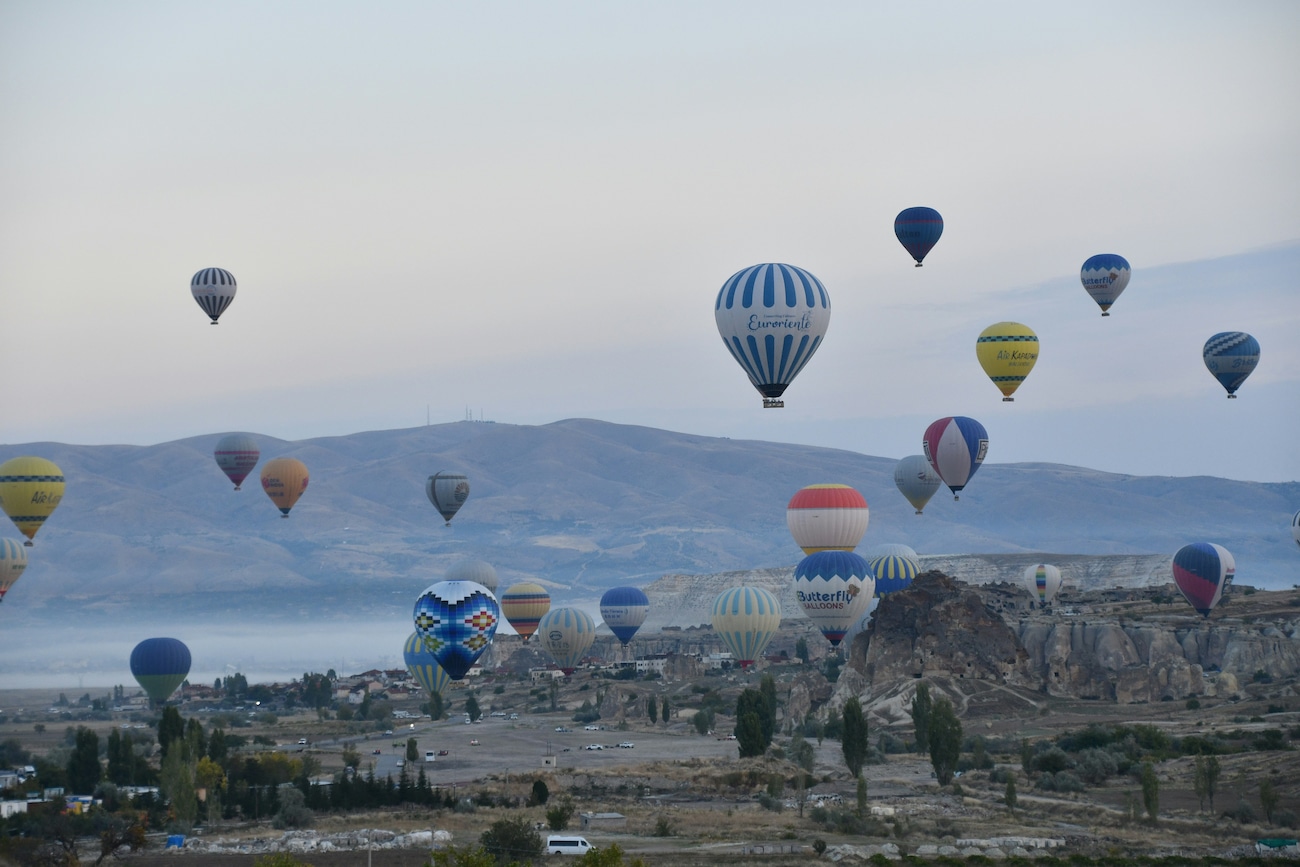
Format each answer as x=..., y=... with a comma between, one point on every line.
x=524, y=605
x=955, y=447
x=236, y=455
x=13, y=562
x=916, y=480
x=624, y=609
x=448, y=492
x=30, y=490
x=567, y=634
x=284, y=480
x=746, y=618
x=476, y=571
x=160, y=665
x=423, y=666
x=213, y=289
x=918, y=230
x=834, y=589
x=1007, y=351
x=456, y=620
x=1043, y=581
x=893, y=572
x=1231, y=356
x=1104, y=277
x=1202, y=570
x=772, y=318
x=828, y=517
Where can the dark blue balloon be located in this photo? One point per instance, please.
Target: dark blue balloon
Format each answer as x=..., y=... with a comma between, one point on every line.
x=624, y=609
x=160, y=665
x=918, y=230
x=1231, y=356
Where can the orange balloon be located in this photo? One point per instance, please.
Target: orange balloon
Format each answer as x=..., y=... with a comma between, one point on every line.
x=284, y=480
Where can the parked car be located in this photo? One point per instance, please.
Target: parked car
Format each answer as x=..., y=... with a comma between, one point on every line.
x=514, y=716
x=302, y=742
x=499, y=713
x=593, y=747
x=563, y=729
x=473, y=742
x=591, y=728
x=443, y=753
x=627, y=745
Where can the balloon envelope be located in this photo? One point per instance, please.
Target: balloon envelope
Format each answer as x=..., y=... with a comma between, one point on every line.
x=1295, y=528
x=422, y=666
x=160, y=665
x=236, y=455
x=916, y=480
x=13, y=560
x=955, y=447
x=1104, y=277
x=448, y=492
x=772, y=318
x=30, y=490
x=834, y=589
x=213, y=289
x=1230, y=356
x=624, y=609
x=476, y=571
x=893, y=572
x=918, y=230
x=1201, y=571
x=1043, y=581
x=746, y=618
x=1007, y=351
x=567, y=634
x=524, y=605
x=284, y=480
x=456, y=620
x=827, y=518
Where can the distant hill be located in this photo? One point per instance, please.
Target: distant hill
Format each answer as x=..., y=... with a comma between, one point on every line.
x=579, y=505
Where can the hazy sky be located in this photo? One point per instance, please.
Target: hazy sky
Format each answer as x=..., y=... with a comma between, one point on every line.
x=528, y=208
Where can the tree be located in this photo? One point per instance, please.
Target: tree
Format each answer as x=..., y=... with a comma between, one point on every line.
x=217, y=748
x=663, y=710
x=652, y=710
x=555, y=694
x=435, y=707
x=922, y=706
x=749, y=735
x=754, y=723
x=412, y=750
x=801, y=650
x=945, y=740
x=862, y=796
x=1150, y=791
x=177, y=783
x=512, y=840
x=121, y=758
x=559, y=814
x=541, y=794
x=854, y=740
x=472, y=708
x=84, y=770
x=171, y=729
x=703, y=721
x=293, y=812
x=767, y=688
x=351, y=757
x=1268, y=798
x=1010, y=796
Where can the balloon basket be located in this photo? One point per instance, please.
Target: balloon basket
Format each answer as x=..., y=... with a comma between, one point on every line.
x=917, y=265
x=773, y=403
x=1105, y=314
x=1008, y=400
x=28, y=544
x=918, y=511
x=213, y=322
x=1232, y=397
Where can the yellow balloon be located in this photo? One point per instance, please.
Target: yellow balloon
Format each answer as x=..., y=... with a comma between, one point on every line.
x=30, y=489
x=284, y=480
x=1007, y=351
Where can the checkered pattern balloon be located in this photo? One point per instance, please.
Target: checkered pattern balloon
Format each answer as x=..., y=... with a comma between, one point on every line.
x=456, y=620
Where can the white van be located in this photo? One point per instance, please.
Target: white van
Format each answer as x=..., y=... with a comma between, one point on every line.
x=557, y=844
x=430, y=756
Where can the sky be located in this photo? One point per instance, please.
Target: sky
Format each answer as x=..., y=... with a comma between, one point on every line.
x=525, y=211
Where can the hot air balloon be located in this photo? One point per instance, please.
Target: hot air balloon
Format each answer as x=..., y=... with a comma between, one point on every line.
x=1201, y=571
x=893, y=572
x=1104, y=277
x=1295, y=528
x=524, y=605
x=827, y=518
x=624, y=610
x=476, y=571
x=1007, y=351
x=13, y=560
x=284, y=480
x=892, y=549
x=160, y=665
x=448, y=492
x=30, y=490
x=236, y=454
x=213, y=289
x=1230, y=357
x=746, y=618
x=456, y=620
x=918, y=230
x=772, y=318
x=423, y=667
x=1043, y=581
x=955, y=447
x=834, y=589
x=916, y=480
x=567, y=634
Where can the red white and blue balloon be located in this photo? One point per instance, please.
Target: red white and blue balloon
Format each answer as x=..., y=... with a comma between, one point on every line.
x=456, y=620
x=955, y=447
x=834, y=588
x=772, y=318
x=1202, y=570
x=1231, y=356
x=1104, y=277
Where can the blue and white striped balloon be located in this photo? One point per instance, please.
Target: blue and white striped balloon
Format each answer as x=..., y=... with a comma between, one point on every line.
x=746, y=618
x=772, y=318
x=893, y=572
x=1104, y=277
x=423, y=666
x=567, y=634
x=1231, y=356
x=213, y=289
